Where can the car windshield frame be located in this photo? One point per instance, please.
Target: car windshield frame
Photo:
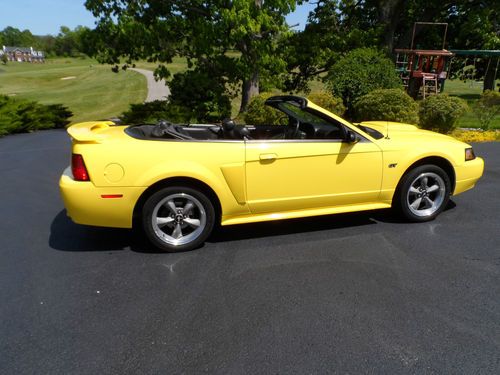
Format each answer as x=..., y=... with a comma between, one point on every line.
x=304, y=114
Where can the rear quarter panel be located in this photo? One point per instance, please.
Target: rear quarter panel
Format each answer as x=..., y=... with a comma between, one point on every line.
x=119, y=160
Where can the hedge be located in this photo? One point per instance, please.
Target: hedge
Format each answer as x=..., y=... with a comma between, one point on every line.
x=387, y=105
x=441, y=112
x=20, y=115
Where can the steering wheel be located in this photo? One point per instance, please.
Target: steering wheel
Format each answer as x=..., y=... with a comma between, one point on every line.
x=291, y=130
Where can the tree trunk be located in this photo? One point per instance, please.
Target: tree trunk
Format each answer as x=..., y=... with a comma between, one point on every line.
x=249, y=89
x=489, y=78
x=389, y=14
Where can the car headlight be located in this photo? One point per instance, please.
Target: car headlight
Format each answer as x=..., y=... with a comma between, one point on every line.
x=469, y=154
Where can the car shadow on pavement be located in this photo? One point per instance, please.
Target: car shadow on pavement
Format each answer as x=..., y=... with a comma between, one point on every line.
x=290, y=226
x=68, y=236
x=308, y=224
x=391, y=217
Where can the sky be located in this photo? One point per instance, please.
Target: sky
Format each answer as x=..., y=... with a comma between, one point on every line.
x=43, y=17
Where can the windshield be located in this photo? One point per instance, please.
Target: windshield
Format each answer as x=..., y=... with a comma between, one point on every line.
x=306, y=116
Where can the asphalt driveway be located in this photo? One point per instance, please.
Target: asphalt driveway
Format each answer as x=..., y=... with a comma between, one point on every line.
x=355, y=293
x=157, y=90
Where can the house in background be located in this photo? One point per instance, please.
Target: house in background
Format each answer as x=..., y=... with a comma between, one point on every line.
x=21, y=54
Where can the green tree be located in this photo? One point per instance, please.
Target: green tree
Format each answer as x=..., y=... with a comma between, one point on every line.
x=359, y=72
x=14, y=37
x=202, y=96
x=333, y=29
x=205, y=32
x=70, y=42
x=45, y=43
x=338, y=26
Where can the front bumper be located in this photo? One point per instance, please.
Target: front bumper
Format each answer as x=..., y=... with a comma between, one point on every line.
x=467, y=175
x=85, y=205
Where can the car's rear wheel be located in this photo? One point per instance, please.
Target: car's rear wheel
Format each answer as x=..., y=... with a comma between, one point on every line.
x=424, y=192
x=178, y=218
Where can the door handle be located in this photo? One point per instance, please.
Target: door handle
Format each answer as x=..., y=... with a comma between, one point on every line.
x=268, y=157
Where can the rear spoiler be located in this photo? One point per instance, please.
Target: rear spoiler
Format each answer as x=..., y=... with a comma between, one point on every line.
x=89, y=131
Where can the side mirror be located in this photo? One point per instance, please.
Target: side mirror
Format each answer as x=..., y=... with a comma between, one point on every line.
x=351, y=137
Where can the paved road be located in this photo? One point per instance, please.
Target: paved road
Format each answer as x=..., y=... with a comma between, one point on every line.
x=356, y=293
x=157, y=90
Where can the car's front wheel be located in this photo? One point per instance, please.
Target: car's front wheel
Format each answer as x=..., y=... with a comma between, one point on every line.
x=424, y=192
x=178, y=218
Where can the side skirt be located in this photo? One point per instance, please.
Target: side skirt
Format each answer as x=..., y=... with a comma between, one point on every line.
x=253, y=218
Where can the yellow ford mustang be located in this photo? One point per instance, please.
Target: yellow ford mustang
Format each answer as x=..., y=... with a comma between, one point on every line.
x=179, y=181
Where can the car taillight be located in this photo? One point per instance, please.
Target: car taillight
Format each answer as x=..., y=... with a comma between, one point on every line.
x=78, y=168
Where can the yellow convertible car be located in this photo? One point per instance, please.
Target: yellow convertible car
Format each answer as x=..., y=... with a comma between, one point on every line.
x=179, y=181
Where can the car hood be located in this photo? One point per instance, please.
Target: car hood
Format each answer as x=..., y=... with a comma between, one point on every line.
x=401, y=132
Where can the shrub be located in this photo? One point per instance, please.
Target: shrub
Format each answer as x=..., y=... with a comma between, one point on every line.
x=441, y=112
x=359, y=72
x=145, y=113
x=194, y=97
x=260, y=114
x=199, y=95
x=487, y=107
x=388, y=105
x=152, y=112
x=19, y=115
x=328, y=101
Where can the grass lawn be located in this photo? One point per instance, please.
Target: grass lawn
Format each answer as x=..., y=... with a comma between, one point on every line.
x=471, y=92
x=93, y=92
x=179, y=64
x=90, y=90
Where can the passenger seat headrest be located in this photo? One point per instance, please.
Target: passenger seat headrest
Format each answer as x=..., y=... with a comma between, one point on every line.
x=228, y=124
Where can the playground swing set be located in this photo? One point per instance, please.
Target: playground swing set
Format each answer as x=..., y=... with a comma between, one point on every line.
x=423, y=72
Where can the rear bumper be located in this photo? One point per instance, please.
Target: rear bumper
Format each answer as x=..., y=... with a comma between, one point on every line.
x=467, y=175
x=85, y=205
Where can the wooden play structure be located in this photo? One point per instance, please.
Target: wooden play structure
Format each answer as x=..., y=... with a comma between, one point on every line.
x=490, y=57
x=423, y=71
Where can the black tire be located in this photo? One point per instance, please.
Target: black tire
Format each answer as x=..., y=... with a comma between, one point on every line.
x=168, y=227
x=423, y=193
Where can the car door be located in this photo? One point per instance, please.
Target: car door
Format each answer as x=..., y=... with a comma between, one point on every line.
x=283, y=175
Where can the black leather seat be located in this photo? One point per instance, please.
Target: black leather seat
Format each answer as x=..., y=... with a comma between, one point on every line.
x=231, y=131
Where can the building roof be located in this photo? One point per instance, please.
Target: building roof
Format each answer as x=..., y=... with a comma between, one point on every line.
x=20, y=49
x=30, y=50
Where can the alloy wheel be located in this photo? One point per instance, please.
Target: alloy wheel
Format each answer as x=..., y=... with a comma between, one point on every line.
x=426, y=194
x=178, y=219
